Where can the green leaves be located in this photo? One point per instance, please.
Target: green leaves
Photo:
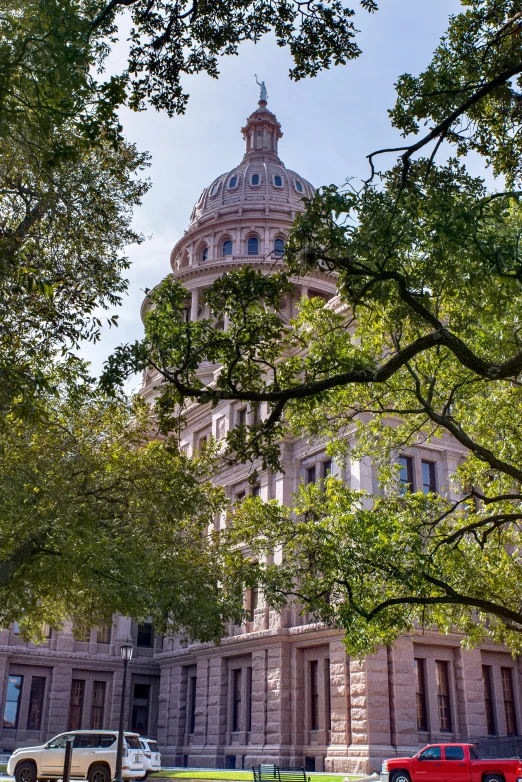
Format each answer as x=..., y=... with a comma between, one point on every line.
x=97, y=519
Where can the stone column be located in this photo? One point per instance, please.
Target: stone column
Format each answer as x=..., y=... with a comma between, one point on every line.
x=3, y=684
x=402, y=695
x=470, y=692
x=163, y=705
x=194, y=305
x=370, y=713
x=278, y=721
x=340, y=732
x=60, y=696
x=257, y=732
x=298, y=699
x=217, y=710
x=201, y=703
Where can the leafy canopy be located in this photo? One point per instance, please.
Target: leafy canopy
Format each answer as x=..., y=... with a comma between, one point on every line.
x=422, y=346
x=100, y=517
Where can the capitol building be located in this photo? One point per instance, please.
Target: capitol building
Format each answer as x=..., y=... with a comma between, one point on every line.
x=278, y=689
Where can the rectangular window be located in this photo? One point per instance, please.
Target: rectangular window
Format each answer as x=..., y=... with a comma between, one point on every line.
x=310, y=475
x=420, y=693
x=327, y=698
x=103, y=634
x=242, y=417
x=76, y=704
x=254, y=602
x=428, y=477
x=256, y=491
x=236, y=704
x=326, y=468
x=240, y=496
x=314, y=695
x=12, y=701
x=509, y=701
x=488, y=699
x=248, y=726
x=256, y=412
x=145, y=637
x=98, y=705
x=443, y=696
x=405, y=474
x=192, y=703
x=36, y=701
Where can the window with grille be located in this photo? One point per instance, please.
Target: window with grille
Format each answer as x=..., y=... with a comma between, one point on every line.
x=310, y=474
x=428, y=477
x=509, y=701
x=227, y=248
x=405, y=474
x=443, y=696
x=314, y=695
x=145, y=635
x=192, y=703
x=98, y=705
x=236, y=703
x=248, y=715
x=76, y=704
x=420, y=693
x=253, y=246
x=12, y=701
x=204, y=254
x=488, y=700
x=328, y=700
x=103, y=635
x=36, y=700
x=279, y=248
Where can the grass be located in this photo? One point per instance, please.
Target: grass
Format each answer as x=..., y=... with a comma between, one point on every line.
x=3, y=766
x=240, y=776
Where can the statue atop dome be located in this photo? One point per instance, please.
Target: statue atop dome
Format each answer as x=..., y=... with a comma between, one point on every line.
x=263, y=95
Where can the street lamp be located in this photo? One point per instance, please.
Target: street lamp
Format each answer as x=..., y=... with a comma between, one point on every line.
x=126, y=650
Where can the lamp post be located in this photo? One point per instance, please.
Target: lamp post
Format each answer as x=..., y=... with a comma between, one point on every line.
x=126, y=650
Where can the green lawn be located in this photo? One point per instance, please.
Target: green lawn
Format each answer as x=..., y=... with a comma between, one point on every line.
x=240, y=776
x=3, y=767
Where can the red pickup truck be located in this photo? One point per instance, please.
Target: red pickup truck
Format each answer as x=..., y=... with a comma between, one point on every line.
x=450, y=763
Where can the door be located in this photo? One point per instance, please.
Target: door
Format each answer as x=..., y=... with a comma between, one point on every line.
x=455, y=766
x=53, y=756
x=427, y=765
x=84, y=753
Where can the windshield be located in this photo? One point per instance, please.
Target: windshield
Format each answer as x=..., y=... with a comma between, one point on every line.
x=133, y=742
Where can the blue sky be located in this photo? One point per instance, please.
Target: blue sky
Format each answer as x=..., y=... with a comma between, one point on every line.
x=330, y=123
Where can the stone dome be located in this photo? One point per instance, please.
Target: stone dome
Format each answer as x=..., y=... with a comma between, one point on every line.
x=261, y=180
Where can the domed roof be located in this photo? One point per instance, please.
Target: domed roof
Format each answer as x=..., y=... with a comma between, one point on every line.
x=260, y=180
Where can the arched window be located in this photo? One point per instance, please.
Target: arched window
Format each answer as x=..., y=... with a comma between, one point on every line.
x=279, y=248
x=227, y=248
x=255, y=179
x=204, y=254
x=215, y=188
x=298, y=186
x=278, y=181
x=233, y=182
x=253, y=245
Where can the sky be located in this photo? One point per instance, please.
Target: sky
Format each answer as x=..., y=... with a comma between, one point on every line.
x=330, y=123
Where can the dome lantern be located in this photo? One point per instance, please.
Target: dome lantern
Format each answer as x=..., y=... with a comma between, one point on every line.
x=261, y=133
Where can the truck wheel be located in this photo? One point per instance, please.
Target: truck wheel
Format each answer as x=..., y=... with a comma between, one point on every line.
x=494, y=778
x=99, y=774
x=401, y=776
x=25, y=771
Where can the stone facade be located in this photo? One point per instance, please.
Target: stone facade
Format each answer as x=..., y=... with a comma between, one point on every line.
x=278, y=688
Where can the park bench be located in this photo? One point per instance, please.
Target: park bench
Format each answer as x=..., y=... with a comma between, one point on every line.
x=269, y=773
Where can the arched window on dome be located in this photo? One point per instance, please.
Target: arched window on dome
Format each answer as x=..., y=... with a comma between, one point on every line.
x=227, y=247
x=279, y=248
x=253, y=245
x=278, y=181
x=215, y=188
x=204, y=254
x=298, y=186
x=255, y=179
x=232, y=183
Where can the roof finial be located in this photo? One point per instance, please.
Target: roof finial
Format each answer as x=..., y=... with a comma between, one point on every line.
x=263, y=95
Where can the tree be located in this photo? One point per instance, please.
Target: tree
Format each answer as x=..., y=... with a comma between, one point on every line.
x=428, y=262
x=100, y=517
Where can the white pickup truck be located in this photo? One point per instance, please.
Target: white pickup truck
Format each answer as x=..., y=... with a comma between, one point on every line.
x=93, y=757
